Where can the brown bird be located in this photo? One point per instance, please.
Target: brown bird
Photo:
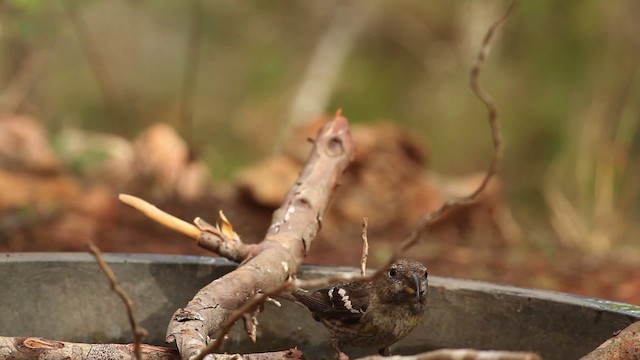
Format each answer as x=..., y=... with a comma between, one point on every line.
x=375, y=313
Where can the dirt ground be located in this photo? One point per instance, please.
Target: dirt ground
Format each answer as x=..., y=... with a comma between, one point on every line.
x=609, y=277
x=43, y=208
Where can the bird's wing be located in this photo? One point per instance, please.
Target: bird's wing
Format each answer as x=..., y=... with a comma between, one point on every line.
x=344, y=300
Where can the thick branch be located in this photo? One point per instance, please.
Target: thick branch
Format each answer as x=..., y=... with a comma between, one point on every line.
x=293, y=228
x=33, y=348
x=467, y=354
x=623, y=345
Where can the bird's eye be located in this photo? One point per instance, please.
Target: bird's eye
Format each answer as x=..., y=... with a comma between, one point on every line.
x=426, y=275
x=393, y=272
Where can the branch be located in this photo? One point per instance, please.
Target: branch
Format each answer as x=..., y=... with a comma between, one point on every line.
x=249, y=310
x=467, y=354
x=138, y=332
x=293, y=228
x=489, y=103
x=220, y=239
x=250, y=307
x=623, y=345
x=34, y=348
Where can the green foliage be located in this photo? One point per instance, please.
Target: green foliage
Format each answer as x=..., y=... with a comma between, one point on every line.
x=550, y=64
x=28, y=6
x=28, y=20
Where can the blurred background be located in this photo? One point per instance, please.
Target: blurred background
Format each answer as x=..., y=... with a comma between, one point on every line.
x=199, y=106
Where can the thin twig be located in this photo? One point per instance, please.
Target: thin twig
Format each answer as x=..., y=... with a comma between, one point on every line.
x=98, y=68
x=138, y=332
x=333, y=279
x=489, y=103
x=365, y=247
x=247, y=307
x=190, y=80
x=259, y=299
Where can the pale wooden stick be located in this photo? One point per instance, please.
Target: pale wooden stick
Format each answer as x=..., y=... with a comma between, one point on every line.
x=160, y=216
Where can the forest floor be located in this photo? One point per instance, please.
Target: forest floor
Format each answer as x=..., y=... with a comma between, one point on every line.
x=51, y=210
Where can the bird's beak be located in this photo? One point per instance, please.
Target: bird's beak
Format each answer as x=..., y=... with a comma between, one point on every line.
x=418, y=285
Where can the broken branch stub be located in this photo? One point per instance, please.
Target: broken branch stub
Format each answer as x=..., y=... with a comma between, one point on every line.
x=293, y=228
x=223, y=240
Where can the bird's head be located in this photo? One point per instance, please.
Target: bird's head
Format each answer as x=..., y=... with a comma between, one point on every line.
x=405, y=280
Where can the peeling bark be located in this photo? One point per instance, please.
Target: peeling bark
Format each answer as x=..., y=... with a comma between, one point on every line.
x=32, y=348
x=465, y=354
x=624, y=345
x=293, y=228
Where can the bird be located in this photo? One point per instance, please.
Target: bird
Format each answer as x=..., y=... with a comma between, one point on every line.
x=374, y=313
